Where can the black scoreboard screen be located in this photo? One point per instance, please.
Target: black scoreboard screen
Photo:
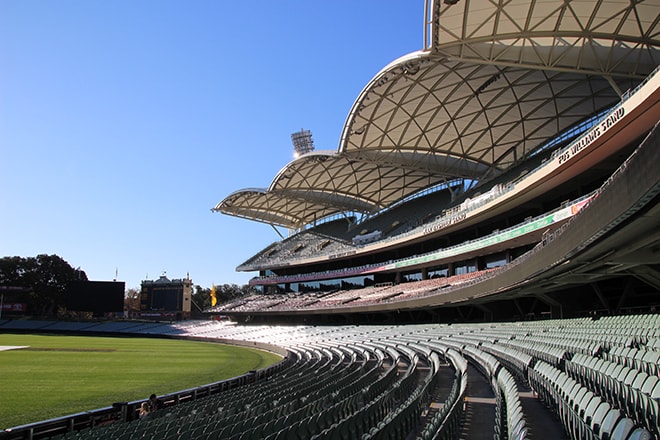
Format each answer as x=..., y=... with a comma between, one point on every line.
x=96, y=296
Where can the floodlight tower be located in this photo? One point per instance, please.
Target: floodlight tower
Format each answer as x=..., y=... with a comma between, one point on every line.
x=302, y=142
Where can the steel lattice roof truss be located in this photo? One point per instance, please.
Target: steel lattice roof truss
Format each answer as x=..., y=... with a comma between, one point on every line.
x=601, y=37
x=273, y=208
x=496, y=80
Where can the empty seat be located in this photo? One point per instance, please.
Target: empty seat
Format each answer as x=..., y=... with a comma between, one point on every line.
x=599, y=416
x=622, y=429
x=640, y=434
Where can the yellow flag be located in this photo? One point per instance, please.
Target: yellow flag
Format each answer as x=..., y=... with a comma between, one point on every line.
x=214, y=300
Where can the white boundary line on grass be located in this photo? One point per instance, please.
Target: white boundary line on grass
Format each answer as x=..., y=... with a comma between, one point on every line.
x=12, y=347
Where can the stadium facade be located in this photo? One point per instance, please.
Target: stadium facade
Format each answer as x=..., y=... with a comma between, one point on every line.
x=505, y=171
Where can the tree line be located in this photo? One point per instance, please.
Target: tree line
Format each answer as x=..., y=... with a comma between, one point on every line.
x=43, y=282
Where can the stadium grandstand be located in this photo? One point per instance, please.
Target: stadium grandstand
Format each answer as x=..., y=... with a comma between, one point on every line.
x=554, y=379
x=504, y=171
x=482, y=250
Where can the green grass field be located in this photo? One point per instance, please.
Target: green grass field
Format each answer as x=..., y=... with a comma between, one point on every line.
x=60, y=375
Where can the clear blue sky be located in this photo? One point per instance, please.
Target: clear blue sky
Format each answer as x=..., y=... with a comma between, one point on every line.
x=123, y=122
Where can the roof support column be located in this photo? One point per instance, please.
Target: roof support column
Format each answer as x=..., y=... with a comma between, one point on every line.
x=614, y=86
x=278, y=232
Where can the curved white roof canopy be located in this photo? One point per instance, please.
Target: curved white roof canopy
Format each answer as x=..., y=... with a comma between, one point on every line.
x=319, y=184
x=497, y=80
x=259, y=204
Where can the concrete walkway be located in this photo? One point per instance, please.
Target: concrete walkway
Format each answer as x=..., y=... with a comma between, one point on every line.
x=478, y=422
x=542, y=422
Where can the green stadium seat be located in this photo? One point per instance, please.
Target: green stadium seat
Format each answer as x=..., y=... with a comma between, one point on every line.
x=623, y=429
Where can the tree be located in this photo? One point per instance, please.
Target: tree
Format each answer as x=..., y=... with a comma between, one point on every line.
x=201, y=298
x=12, y=270
x=47, y=278
x=132, y=301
